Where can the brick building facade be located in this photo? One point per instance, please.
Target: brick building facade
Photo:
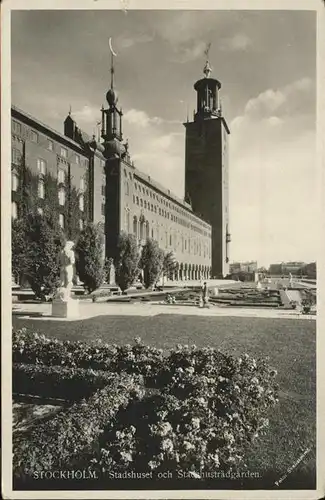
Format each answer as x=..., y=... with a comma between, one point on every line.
x=123, y=198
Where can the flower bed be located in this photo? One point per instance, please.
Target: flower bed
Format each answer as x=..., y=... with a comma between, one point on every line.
x=71, y=384
x=204, y=418
x=32, y=348
x=202, y=415
x=63, y=440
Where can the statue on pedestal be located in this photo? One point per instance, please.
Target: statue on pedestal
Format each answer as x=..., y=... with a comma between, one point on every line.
x=63, y=305
x=67, y=260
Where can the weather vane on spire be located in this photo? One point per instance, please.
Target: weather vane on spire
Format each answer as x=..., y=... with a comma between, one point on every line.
x=207, y=50
x=113, y=54
x=207, y=68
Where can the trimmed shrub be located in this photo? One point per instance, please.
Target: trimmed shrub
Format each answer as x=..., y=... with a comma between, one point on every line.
x=204, y=413
x=59, y=382
x=169, y=264
x=205, y=417
x=126, y=261
x=152, y=260
x=61, y=442
x=44, y=241
x=32, y=348
x=89, y=257
x=19, y=259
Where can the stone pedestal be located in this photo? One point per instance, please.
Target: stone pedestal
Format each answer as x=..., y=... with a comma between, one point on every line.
x=65, y=308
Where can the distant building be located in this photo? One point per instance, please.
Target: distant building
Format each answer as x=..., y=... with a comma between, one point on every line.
x=286, y=268
x=244, y=267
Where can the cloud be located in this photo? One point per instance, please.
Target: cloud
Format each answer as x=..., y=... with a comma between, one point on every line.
x=189, y=52
x=273, y=176
x=140, y=118
x=281, y=100
x=88, y=115
x=238, y=42
x=143, y=120
x=125, y=42
x=156, y=148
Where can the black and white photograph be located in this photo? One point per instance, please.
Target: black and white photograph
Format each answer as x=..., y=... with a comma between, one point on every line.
x=162, y=171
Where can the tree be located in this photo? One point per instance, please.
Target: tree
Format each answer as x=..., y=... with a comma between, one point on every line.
x=44, y=241
x=89, y=257
x=19, y=261
x=169, y=264
x=152, y=260
x=308, y=270
x=126, y=261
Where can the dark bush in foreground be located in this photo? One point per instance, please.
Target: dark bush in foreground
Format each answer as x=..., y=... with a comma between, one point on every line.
x=201, y=414
x=60, y=443
x=58, y=382
x=29, y=347
x=204, y=418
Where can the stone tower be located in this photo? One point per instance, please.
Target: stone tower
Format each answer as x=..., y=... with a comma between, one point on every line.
x=114, y=150
x=206, y=167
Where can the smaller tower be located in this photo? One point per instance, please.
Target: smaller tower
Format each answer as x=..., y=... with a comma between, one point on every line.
x=70, y=126
x=111, y=131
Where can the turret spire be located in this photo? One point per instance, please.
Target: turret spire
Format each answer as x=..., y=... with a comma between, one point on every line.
x=112, y=71
x=207, y=68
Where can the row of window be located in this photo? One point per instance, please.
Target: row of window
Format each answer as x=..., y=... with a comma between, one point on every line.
x=163, y=201
x=41, y=167
x=14, y=215
x=34, y=137
x=41, y=190
x=141, y=230
x=164, y=213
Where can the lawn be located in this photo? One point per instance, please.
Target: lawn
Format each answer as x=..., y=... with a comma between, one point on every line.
x=290, y=345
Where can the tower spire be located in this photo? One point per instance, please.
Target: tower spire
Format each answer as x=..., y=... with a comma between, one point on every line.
x=207, y=68
x=112, y=71
x=112, y=61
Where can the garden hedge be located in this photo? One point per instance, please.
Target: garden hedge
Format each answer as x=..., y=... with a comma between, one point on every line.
x=59, y=443
x=202, y=415
x=32, y=348
x=71, y=384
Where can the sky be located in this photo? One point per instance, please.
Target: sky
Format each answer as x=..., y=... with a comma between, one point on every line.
x=266, y=62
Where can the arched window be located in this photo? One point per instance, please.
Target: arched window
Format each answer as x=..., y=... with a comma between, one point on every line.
x=141, y=202
x=137, y=200
x=127, y=189
x=147, y=230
